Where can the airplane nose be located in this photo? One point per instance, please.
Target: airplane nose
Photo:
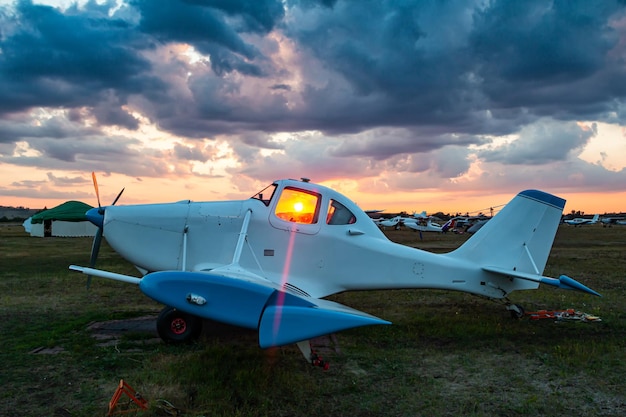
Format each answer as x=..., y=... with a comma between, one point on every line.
x=96, y=216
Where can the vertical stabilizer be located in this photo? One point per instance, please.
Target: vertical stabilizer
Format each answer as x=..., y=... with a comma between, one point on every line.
x=519, y=237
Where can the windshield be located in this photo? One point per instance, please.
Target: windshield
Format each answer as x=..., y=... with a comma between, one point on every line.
x=265, y=195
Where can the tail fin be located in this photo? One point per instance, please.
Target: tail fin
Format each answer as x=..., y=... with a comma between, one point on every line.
x=519, y=237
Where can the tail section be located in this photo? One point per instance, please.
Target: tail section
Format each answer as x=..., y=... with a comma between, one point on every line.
x=517, y=241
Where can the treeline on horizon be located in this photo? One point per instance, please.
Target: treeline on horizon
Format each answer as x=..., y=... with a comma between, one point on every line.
x=440, y=215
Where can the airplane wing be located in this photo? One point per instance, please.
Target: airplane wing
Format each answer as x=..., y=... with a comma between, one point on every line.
x=280, y=317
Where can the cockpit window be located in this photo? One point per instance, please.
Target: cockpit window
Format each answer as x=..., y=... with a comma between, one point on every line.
x=339, y=214
x=298, y=206
x=265, y=195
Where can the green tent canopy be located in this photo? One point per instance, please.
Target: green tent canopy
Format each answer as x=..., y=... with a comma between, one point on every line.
x=70, y=211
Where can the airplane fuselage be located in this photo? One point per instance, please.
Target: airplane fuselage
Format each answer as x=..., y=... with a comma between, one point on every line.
x=314, y=254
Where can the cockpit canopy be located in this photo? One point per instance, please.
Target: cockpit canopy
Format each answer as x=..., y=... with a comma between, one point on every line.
x=304, y=206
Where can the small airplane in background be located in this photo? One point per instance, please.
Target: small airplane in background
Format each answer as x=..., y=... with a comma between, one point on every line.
x=393, y=222
x=579, y=221
x=465, y=224
x=418, y=221
x=268, y=262
x=608, y=221
x=423, y=225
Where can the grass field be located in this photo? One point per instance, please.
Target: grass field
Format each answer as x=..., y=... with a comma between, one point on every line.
x=447, y=354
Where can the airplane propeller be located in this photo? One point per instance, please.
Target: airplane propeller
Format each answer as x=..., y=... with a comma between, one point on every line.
x=95, y=186
x=96, y=216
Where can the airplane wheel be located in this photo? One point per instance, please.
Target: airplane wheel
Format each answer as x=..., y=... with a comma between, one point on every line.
x=174, y=326
x=517, y=311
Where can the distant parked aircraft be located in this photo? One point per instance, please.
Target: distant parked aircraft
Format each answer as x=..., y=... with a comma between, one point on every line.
x=423, y=225
x=462, y=224
x=579, y=221
x=393, y=222
x=608, y=221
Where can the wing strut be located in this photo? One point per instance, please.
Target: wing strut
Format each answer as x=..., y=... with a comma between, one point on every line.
x=106, y=274
x=185, y=232
x=234, y=269
x=242, y=237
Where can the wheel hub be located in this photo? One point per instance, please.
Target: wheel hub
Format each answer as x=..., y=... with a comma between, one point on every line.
x=178, y=326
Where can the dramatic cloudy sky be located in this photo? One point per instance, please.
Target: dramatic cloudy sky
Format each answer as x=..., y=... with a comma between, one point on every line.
x=401, y=105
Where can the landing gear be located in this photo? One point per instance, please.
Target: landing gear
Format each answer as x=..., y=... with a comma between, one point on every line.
x=311, y=356
x=174, y=326
x=318, y=361
x=517, y=311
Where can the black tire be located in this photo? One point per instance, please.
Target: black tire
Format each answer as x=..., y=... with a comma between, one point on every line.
x=174, y=326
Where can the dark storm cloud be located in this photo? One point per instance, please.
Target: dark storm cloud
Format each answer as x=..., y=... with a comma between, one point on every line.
x=109, y=111
x=256, y=15
x=543, y=41
x=382, y=81
x=552, y=58
x=50, y=58
x=400, y=63
x=440, y=62
x=411, y=59
x=201, y=24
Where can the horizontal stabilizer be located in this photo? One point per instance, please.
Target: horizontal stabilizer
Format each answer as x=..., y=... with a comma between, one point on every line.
x=287, y=320
x=563, y=282
x=568, y=283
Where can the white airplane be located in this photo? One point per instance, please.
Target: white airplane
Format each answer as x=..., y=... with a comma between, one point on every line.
x=267, y=262
x=418, y=221
x=424, y=226
x=608, y=221
x=421, y=215
x=579, y=221
x=393, y=222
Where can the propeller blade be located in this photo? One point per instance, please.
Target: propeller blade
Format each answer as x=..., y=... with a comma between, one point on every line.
x=97, y=218
x=95, y=248
x=118, y=196
x=95, y=185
